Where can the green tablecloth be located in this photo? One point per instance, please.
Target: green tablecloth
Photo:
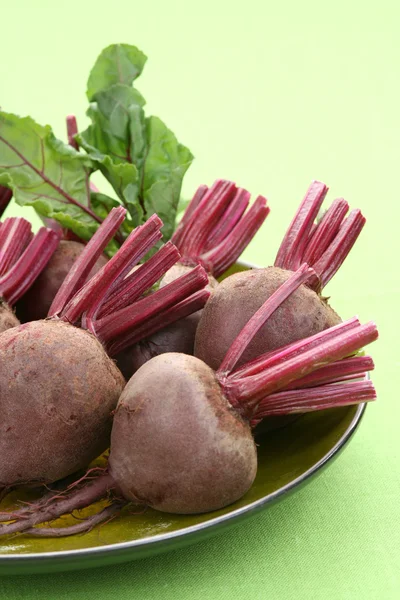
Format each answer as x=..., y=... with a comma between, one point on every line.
x=272, y=97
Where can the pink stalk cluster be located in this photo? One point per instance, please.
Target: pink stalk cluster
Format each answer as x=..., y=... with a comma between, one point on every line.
x=216, y=227
x=111, y=304
x=23, y=256
x=323, y=244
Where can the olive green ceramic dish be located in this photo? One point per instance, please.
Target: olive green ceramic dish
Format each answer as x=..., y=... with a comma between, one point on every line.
x=289, y=456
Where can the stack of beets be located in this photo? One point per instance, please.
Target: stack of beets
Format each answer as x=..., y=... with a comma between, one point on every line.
x=205, y=361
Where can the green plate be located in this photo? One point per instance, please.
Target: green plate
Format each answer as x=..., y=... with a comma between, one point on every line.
x=289, y=456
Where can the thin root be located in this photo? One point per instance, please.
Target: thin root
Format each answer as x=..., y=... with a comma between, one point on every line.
x=84, y=526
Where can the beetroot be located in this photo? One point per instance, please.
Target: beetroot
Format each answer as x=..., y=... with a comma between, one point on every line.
x=179, y=336
x=22, y=259
x=57, y=384
x=213, y=232
x=58, y=416
x=35, y=304
x=181, y=440
x=202, y=457
x=324, y=246
x=236, y=300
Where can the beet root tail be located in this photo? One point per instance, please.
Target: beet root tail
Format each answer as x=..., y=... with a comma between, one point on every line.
x=57, y=505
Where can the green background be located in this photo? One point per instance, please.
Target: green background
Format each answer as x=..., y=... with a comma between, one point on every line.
x=271, y=95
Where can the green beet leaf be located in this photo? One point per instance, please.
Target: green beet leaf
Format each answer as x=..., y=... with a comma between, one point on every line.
x=47, y=174
x=166, y=164
x=118, y=63
x=139, y=156
x=116, y=139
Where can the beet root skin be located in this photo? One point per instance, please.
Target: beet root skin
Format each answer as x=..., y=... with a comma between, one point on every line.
x=35, y=304
x=235, y=301
x=8, y=320
x=177, y=337
x=177, y=445
x=57, y=391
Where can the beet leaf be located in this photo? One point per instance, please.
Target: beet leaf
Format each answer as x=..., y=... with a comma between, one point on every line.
x=47, y=174
x=118, y=63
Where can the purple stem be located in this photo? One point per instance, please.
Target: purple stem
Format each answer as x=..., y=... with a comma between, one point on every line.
x=220, y=258
x=325, y=231
x=113, y=326
x=228, y=220
x=72, y=130
x=142, y=278
x=28, y=267
x=186, y=219
x=318, y=398
x=139, y=242
x=291, y=251
x=340, y=370
x=331, y=261
x=15, y=235
x=250, y=390
x=289, y=351
x=86, y=260
x=205, y=216
x=161, y=320
x=118, y=280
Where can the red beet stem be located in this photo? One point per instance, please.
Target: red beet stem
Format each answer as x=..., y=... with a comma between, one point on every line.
x=113, y=326
x=93, y=312
x=86, y=260
x=5, y=198
x=140, y=280
x=334, y=256
x=132, y=287
x=250, y=390
x=291, y=251
x=124, y=276
x=15, y=235
x=317, y=398
x=231, y=216
x=161, y=320
x=325, y=231
x=220, y=258
x=341, y=370
x=248, y=332
x=139, y=242
x=209, y=210
x=30, y=264
x=216, y=228
x=72, y=130
x=186, y=219
x=78, y=498
x=289, y=351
